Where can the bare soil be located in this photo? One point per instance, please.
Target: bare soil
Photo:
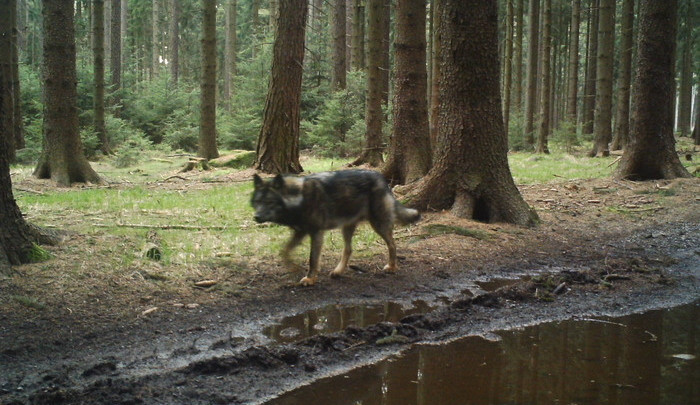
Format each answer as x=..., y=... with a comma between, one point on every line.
x=604, y=247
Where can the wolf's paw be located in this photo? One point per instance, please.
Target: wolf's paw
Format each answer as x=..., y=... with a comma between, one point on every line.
x=307, y=281
x=338, y=271
x=390, y=269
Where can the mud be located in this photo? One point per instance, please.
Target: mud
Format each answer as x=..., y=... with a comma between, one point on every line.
x=238, y=352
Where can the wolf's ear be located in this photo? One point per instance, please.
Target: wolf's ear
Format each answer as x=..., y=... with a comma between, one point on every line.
x=278, y=182
x=257, y=181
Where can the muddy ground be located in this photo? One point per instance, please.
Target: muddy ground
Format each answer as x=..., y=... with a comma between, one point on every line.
x=604, y=247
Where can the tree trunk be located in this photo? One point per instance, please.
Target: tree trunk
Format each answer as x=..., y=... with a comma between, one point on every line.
x=6, y=66
x=470, y=173
x=508, y=63
x=207, y=120
x=62, y=159
x=546, y=76
x=409, y=151
x=589, y=92
x=230, y=53
x=685, y=93
x=124, y=17
x=358, y=35
x=98, y=31
x=518, y=58
x=116, y=51
x=374, y=115
x=532, y=53
x=385, y=67
x=622, y=121
x=572, y=91
x=155, y=31
x=278, y=142
x=651, y=153
x=16, y=99
x=339, y=71
x=175, y=41
x=602, y=122
x=435, y=77
x=696, y=129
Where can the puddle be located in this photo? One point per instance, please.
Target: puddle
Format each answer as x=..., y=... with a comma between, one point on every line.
x=334, y=318
x=642, y=359
x=495, y=284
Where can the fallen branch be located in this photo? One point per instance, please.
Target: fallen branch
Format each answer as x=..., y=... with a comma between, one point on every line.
x=29, y=190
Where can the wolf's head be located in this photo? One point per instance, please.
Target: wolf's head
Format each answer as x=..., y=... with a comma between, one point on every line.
x=267, y=200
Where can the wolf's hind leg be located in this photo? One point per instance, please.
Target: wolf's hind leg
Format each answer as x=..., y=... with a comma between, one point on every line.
x=348, y=231
x=295, y=240
x=316, y=245
x=386, y=230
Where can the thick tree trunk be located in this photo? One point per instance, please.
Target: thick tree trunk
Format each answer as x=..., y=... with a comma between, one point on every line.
x=278, y=142
x=155, y=32
x=532, y=52
x=374, y=115
x=207, y=120
x=16, y=99
x=6, y=66
x=622, y=120
x=115, y=50
x=602, y=122
x=230, y=52
x=696, y=128
x=587, y=115
x=62, y=159
x=651, y=153
x=508, y=63
x=339, y=69
x=572, y=90
x=685, y=91
x=518, y=58
x=358, y=35
x=175, y=41
x=99, y=76
x=470, y=173
x=409, y=151
x=435, y=76
x=546, y=76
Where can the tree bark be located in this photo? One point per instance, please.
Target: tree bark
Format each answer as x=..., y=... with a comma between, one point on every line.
x=155, y=31
x=175, y=41
x=99, y=76
x=532, y=53
x=6, y=66
x=278, y=142
x=589, y=92
x=546, y=76
x=602, y=122
x=409, y=151
x=622, y=120
x=207, y=121
x=62, y=159
x=518, y=58
x=16, y=99
x=685, y=91
x=470, y=174
x=572, y=90
x=339, y=81
x=116, y=51
x=696, y=129
x=230, y=52
x=358, y=35
x=374, y=116
x=651, y=153
x=435, y=77
x=508, y=63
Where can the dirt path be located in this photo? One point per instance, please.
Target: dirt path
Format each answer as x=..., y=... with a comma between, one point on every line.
x=603, y=248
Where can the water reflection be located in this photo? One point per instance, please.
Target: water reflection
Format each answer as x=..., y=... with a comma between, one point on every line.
x=629, y=360
x=334, y=318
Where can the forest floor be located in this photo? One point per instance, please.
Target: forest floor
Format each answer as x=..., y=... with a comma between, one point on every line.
x=73, y=331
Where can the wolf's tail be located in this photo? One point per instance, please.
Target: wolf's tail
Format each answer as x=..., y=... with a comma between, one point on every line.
x=405, y=215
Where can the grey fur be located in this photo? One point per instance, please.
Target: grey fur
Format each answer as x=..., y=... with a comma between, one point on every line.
x=312, y=204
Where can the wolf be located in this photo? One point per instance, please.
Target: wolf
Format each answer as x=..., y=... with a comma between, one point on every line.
x=312, y=204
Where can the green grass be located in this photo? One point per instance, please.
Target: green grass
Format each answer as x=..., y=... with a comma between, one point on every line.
x=531, y=168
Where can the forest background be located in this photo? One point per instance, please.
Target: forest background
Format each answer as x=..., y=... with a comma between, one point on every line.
x=153, y=73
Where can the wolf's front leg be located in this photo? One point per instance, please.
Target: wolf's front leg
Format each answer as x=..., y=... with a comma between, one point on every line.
x=297, y=237
x=316, y=245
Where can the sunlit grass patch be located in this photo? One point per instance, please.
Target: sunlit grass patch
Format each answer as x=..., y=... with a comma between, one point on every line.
x=529, y=168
